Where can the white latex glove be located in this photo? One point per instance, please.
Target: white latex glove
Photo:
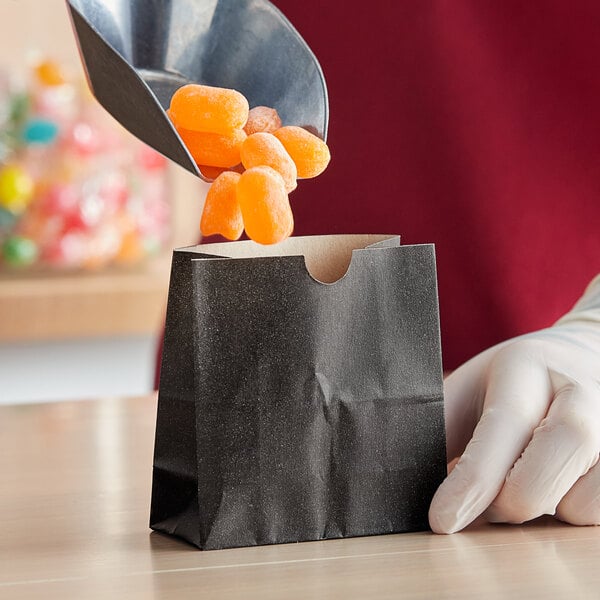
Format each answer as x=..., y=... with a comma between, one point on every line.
x=524, y=417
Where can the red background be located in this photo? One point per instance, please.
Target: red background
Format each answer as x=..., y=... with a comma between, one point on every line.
x=474, y=125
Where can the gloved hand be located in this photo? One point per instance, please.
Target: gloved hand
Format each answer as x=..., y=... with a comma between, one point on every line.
x=524, y=417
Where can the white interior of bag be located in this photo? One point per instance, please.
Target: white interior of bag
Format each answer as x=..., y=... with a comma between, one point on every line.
x=327, y=257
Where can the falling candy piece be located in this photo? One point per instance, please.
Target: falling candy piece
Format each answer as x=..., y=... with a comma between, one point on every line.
x=16, y=189
x=18, y=251
x=206, y=108
x=309, y=153
x=264, y=149
x=265, y=206
x=221, y=213
x=262, y=118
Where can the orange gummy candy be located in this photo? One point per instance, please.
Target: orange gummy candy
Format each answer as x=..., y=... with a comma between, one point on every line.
x=213, y=172
x=262, y=118
x=309, y=153
x=222, y=212
x=264, y=149
x=265, y=205
x=213, y=149
x=206, y=108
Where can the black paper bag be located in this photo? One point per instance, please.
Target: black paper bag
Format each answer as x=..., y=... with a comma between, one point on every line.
x=291, y=409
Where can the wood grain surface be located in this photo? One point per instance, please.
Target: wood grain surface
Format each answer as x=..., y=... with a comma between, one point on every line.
x=47, y=306
x=74, y=505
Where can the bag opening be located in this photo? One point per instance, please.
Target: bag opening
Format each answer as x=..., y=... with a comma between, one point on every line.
x=327, y=257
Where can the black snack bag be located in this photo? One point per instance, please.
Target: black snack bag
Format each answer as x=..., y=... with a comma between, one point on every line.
x=291, y=409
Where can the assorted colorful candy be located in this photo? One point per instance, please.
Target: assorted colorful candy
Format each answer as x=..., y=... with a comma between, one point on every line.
x=76, y=191
x=16, y=188
x=253, y=160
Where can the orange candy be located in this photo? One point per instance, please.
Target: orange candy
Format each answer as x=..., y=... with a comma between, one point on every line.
x=213, y=172
x=264, y=149
x=220, y=132
x=262, y=118
x=214, y=149
x=222, y=212
x=309, y=153
x=130, y=250
x=265, y=205
x=49, y=73
x=206, y=108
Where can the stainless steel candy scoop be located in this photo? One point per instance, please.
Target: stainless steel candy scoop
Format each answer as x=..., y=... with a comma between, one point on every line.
x=136, y=53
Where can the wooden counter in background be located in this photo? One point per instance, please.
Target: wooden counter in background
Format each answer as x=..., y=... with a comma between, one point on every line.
x=41, y=306
x=65, y=305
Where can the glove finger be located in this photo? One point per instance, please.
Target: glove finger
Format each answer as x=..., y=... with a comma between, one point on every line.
x=464, y=392
x=581, y=505
x=516, y=400
x=563, y=448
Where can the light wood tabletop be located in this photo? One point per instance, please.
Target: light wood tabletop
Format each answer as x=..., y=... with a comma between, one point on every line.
x=74, y=505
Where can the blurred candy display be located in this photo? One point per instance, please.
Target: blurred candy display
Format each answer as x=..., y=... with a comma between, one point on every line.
x=76, y=190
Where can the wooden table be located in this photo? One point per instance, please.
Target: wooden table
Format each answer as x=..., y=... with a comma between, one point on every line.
x=74, y=502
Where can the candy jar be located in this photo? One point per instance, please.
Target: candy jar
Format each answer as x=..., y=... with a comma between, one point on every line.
x=76, y=190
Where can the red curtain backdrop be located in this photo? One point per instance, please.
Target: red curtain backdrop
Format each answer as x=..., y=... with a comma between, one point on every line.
x=476, y=126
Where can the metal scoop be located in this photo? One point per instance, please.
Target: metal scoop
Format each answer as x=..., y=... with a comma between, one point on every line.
x=136, y=53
